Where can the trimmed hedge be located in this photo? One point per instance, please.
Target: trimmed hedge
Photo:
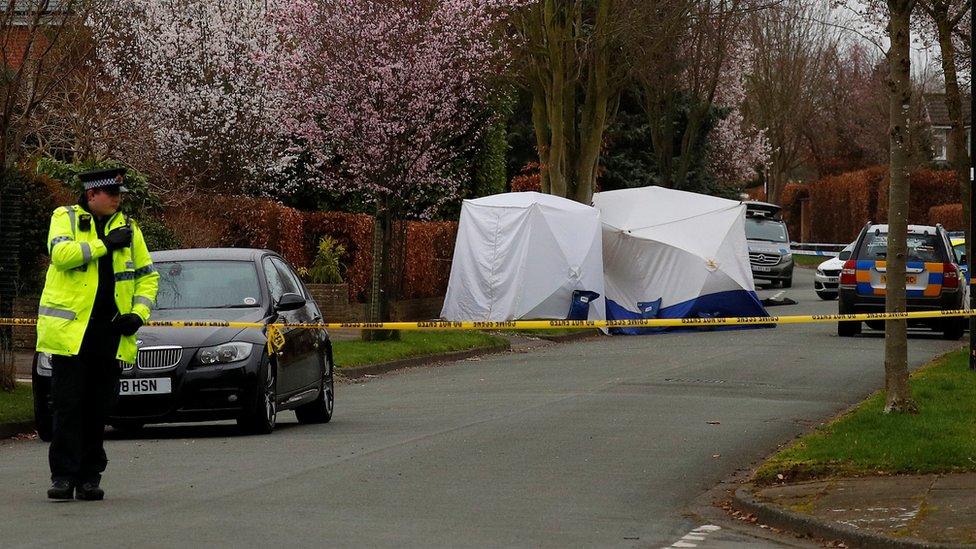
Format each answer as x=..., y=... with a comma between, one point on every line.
x=430, y=249
x=792, y=196
x=239, y=222
x=949, y=215
x=528, y=179
x=226, y=221
x=840, y=205
x=928, y=189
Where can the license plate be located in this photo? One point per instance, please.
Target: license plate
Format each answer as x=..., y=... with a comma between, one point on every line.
x=147, y=386
x=909, y=279
x=831, y=279
x=759, y=269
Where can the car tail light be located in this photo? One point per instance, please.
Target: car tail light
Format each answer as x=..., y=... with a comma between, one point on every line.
x=950, y=276
x=848, y=274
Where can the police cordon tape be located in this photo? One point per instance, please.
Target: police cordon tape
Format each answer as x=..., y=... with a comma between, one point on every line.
x=276, y=338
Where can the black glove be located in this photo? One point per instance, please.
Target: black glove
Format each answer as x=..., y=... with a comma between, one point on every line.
x=127, y=324
x=117, y=239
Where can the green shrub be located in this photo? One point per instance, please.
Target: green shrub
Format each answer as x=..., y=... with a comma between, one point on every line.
x=326, y=267
x=138, y=201
x=158, y=236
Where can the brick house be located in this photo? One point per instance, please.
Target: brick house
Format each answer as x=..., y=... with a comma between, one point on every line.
x=938, y=118
x=18, y=27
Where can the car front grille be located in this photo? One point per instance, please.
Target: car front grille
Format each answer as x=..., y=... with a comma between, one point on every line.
x=159, y=358
x=831, y=272
x=763, y=258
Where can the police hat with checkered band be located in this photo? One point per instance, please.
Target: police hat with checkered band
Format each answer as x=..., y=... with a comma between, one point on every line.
x=98, y=179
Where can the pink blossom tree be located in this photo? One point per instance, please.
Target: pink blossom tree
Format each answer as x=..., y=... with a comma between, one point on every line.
x=384, y=97
x=736, y=148
x=189, y=72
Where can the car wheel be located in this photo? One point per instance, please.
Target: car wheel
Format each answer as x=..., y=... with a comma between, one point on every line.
x=320, y=409
x=848, y=329
x=43, y=418
x=954, y=329
x=827, y=296
x=262, y=416
x=787, y=282
x=876, y=325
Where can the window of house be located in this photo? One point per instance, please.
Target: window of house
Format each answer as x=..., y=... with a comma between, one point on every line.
x=939, y=144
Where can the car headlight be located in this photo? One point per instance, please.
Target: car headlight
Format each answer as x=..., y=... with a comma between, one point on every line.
x=228, y=352
x=820, y=272
x=787, y=257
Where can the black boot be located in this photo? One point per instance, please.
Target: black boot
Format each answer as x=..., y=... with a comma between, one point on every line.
x=90, y=491
x=61, y=489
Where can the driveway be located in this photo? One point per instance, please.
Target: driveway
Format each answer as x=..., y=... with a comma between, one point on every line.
x=609, y=442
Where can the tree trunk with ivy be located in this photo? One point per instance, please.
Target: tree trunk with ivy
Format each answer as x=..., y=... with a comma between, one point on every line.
x=380, y=279
x=959, y=151
x=898, y=394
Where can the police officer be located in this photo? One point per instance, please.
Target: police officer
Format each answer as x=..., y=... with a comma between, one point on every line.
x=99, y=290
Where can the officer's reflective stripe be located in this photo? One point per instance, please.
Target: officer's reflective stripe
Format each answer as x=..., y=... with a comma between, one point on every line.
x=141, y=272
x=144, y=300
x=85, y=252
x=60, y=313
x=57, y=240
x=72, y=215
x=126, y=275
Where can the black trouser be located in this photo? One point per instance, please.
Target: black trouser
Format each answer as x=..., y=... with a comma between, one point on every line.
x=84, y=389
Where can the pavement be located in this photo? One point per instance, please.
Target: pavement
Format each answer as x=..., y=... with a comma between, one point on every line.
x=925, y=511
x=885, y=511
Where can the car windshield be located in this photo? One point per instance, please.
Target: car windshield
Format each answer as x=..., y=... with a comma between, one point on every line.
x=765, y=229
x=207, y=285
x=921, y=247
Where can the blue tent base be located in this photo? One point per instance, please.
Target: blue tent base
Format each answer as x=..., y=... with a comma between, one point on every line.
x=733, y=303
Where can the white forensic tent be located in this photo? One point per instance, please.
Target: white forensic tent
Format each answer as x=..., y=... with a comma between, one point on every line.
x=674, y=254
x=521, y=256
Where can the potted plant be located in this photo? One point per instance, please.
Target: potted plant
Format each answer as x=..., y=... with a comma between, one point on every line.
x=324, y=277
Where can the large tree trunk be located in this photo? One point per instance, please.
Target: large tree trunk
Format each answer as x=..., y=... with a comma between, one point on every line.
x=379, y=300
x=959, y=154
x=898, y=396
x=570, y=93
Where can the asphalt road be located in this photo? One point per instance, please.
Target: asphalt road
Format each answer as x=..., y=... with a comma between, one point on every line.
x=609, y=442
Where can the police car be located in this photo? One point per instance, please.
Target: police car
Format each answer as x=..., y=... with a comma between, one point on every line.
x=827, y=277
x=214, y=373
x=933, y=279
x=769, y=244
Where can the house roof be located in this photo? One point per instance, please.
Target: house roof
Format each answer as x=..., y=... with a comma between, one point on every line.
x=939, y=114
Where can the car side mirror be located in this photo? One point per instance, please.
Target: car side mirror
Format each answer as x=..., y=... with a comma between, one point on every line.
x=845, y=255
x=290, y=302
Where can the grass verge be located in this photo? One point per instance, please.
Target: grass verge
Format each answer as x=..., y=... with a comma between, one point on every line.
x=411, y=344
x=809, y=261
x=18, y=405
x=865, y=441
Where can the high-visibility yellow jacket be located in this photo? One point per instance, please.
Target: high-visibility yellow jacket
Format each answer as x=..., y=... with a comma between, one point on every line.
x=72, y=281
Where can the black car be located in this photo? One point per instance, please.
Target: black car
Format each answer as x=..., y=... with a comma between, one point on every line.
x=933, y=279
x=204, y=374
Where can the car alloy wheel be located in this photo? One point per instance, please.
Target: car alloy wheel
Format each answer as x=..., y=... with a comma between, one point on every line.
x=320, y=409
x=260, y=417
x=270, y=398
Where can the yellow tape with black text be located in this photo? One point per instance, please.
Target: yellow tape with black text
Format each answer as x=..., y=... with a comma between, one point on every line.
x=276, y=338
